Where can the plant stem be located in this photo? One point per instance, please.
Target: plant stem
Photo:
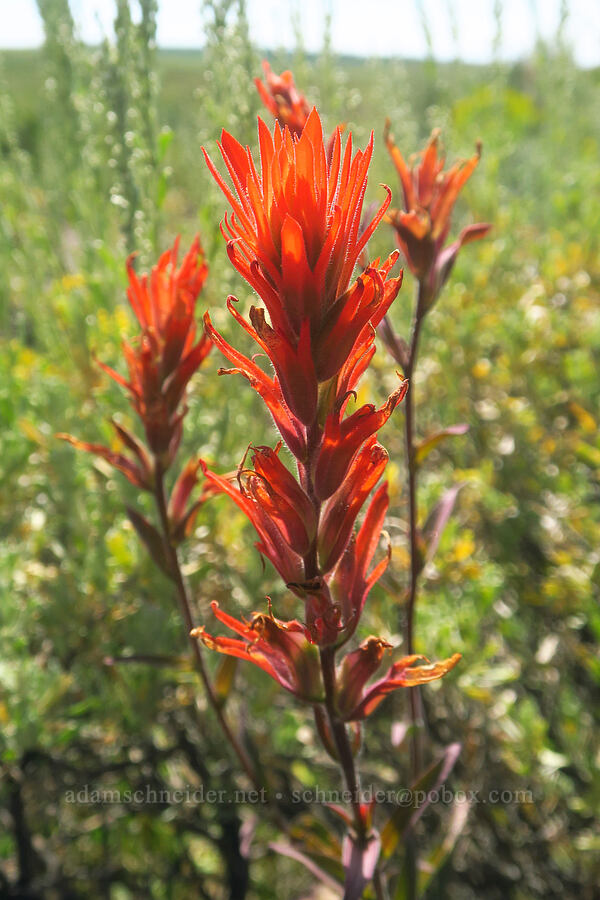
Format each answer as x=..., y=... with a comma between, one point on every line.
x=413, y=528
x=416, y=714
x=327, y=654
x=186, y=613
x=380, y=892
x=342, y=742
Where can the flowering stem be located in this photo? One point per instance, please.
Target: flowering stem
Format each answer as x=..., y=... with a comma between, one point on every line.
x=415, y=564
x=340, y=737
x=413, y=527
x=186, y=613
x=327, y=655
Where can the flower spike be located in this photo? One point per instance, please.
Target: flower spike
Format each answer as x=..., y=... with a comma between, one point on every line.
x=423, y=225
x=161, y=361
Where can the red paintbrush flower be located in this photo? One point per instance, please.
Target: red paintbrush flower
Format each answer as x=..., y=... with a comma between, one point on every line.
x=282, y=649
x=294, y=236
x=287, y=104
x=283, y=99
x=423, y=226
x=164, y=357
x=161, y=361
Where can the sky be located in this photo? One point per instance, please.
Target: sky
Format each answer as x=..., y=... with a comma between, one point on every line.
x=459, y=28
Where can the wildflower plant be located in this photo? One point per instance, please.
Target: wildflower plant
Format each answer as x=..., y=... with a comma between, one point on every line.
x=161, y=361
x=421, y=230
x=294, y=233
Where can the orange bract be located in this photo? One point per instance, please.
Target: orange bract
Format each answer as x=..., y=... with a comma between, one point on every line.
x=282, y=649
x=357, y=699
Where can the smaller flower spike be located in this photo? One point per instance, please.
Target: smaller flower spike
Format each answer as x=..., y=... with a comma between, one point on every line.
x=287, y=104
x=356, y=699
x=282, y=649
x=423, y=226
x=283, y=99
x=161, y=361
x=164, y=357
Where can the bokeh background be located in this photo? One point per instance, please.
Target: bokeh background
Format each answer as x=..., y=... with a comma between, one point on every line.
x=100, y=136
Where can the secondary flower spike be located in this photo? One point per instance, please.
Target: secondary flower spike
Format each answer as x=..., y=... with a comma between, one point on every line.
x=287, y=104
x=164, y=357
x=423, y=225
x=283, y=99
x=161, y=360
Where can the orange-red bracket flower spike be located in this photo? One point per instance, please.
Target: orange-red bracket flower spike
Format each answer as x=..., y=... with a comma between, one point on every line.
x=294, y=236
x=423, y=225
x=283, y=99
x=161, y=360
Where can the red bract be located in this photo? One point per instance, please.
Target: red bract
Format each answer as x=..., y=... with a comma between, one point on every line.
x=423, y=226
x=356, y=699
x=138, y=470
x=282, y=649
x=278, y=524
x=351, y=580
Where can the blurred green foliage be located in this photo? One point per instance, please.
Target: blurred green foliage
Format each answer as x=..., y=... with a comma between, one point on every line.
x=100, y=156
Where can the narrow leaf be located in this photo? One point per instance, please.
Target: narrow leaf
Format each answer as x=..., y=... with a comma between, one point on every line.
x=438, y=519
x=293, y=853
x=397, y=346
x=420, y=796
x=424, y=448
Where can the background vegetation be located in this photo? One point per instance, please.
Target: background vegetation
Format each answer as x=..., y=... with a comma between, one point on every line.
x=100, y=155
